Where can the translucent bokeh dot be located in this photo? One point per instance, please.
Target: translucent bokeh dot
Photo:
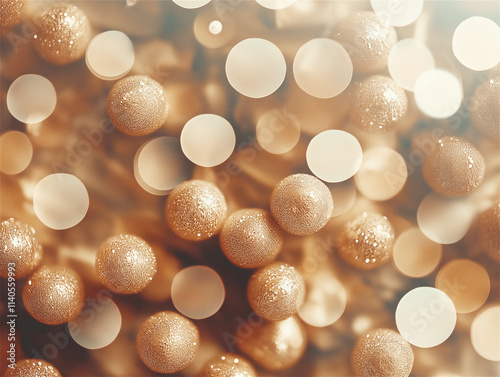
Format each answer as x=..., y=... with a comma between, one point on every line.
x=476, y=43
x=322, y=68
x=425, y=317
x=16, y=152
x=208, y=140
x=197, y=292
x=398, y=13
x=31, y=98
x=334, y=155
x=110, y=55
x=277, y=132
x=255, y=67
x=276, y=4
x=191, y=4
x=60, y=201
x=344, y=194
x=213, y=31
x=485, y=333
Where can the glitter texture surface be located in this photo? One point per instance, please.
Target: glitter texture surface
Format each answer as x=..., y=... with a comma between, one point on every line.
x=19, y=244
x=489, y=227
x=367, y=241
x=228, y=365
x=11, y=13
x=125, y=264
x=250, y=238
x=485, y=108
x=382, y=353
x=53, y=295
x=196, y=210
x=137, y=105
x=276, y=292
x=167, y=342
x=301, y=204
x=454, y=167
x=32, y=368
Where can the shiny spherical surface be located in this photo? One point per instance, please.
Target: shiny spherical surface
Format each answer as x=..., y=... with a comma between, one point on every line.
x=11, y=13
x=454, y=167
x=196, y=210
x=125, y=264
x=301, y=204
x=485, y=108
x=367, y=241
x=53, y=295
x=378, y=104
x=32, y=368
x=489, y=227
x=276, y=292
x=63, y=34
x=250, y=238
x=228, y=365
x=19, y=249
x=167, y=342
x=137, y=105
x=382, y=353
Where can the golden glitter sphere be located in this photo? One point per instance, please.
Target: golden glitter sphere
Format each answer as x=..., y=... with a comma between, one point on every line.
x=367, y=241
x=32, y=368
x=228, y=365
x=454, y=167
x=378, y=104
x=125, y=264
x=54, y=295
x=485, y=108
x=137, y=105
x=489, y=228
x=250, y=238
x=20, y=250
x=63, y=34
x=11, y=13
x=196, y=210
x=382, y=353
x=368, y=39
x=167, y=342
x=301, y=204
x=276, y=292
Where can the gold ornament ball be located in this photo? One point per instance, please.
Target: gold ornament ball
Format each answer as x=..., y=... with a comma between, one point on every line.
x=228, y=365
x=11, y=13
x=489, y=228
x=485, y=108
x=32, y=368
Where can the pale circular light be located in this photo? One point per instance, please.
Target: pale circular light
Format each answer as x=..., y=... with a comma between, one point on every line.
x=476, y=43
x=31, y=98
x=444, y=220
x=334, y=155
x=211, y=30
x=160, y=165
x=344, y=194
x=191, y=4
x=485, y=333
x=110, y=55
x=197, y=292
x=398, y=13
x=276, y=4
x=60, y=201
x=215, y=27
x=415, y=255
x=16, y=152
x=277, y=132
x=425, y=317
x=208, y=140
x=438, y=93
x=255, y=67
x=97, y=325
x=408, y=59
x=382, y=174
x=322, y=68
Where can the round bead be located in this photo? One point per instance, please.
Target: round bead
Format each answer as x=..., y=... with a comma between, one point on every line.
x=125, y=264
x=228, y=365
x=54, y=295
x=367, y=241
x=167, y=342
x=489, y=227
x=11, y=13
x=301, y=204
x=276, y=292
x=454, y=167
x=485, y=108
x=19, y=248
x=250, y=238
x=196, y=210
x=32, y=368
x=137, y=105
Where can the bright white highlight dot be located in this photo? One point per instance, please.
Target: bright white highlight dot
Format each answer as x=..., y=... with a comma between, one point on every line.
x=276, y=4
x=277, y=131
x=485, y=333
x=398, y=13
x=215, y=27
x=211, y=30
x=16, y=152
x=191, y=4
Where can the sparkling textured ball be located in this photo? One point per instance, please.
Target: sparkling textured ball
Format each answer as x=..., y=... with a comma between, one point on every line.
x=63, y=34
x=196, y=210
x=250, y=238
x=228, y=365
x=367, y=241
x=301, y=204
x=20, y=249
x=137, y=105
x=53, y=295
x=454, y=167
x=489, y=227
x=125, y=264
x=485, y=108
x=32, y=368
x=11, y=13
x=276, y=292
x=382, y=353
x=167, y=342
x=378, y=104
x=368, y=39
